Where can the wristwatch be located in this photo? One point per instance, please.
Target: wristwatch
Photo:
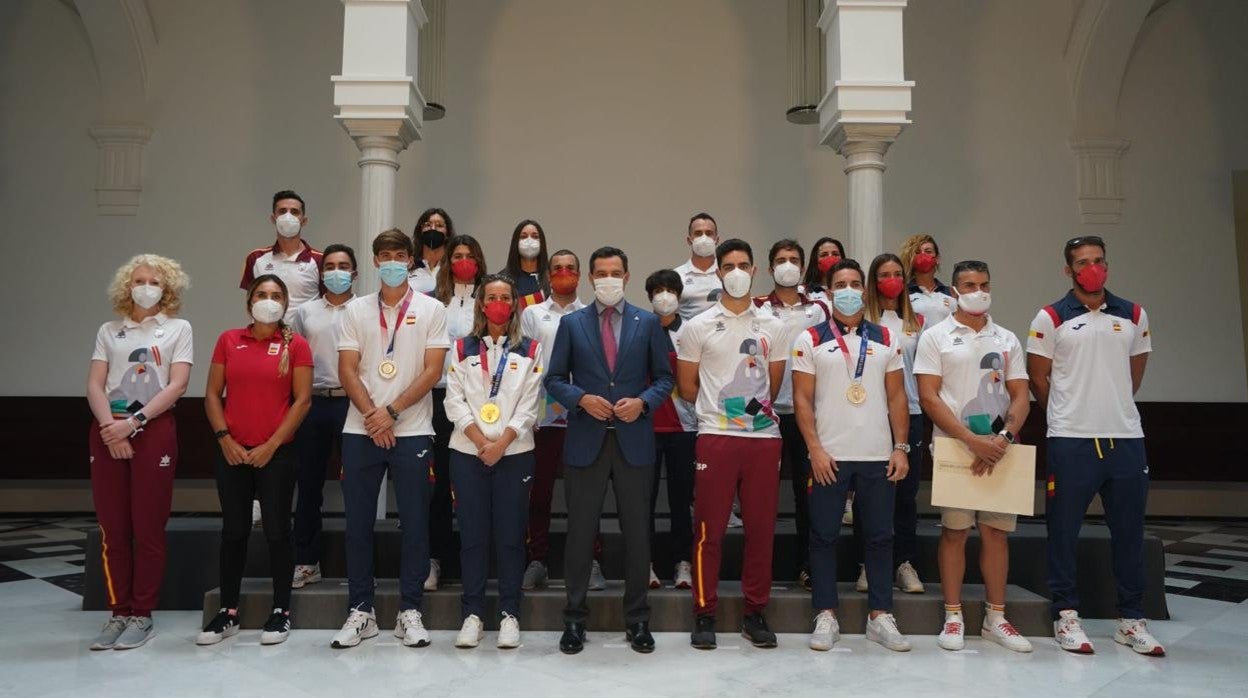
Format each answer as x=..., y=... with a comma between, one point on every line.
x=903, y=447
x=140, y=418
x=1007, y=435
x=394, y=414
x=221, y=434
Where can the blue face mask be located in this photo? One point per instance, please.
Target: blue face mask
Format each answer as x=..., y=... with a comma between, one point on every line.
x=847, y=300
x=337, y=280
x=393, y=274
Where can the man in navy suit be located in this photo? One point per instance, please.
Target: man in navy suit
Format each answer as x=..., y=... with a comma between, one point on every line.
x=610, y=369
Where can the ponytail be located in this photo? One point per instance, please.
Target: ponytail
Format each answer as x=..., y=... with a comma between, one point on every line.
x=283, y=364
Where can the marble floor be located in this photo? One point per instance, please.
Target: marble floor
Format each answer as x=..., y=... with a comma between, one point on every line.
x=44, y=638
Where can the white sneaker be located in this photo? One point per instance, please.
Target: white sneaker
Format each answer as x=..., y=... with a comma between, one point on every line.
x=827, y=632
x=360, y=625
x=847, y=518
x=684, y=575
x=883, y=629
x=1069, y=633
x=654, y=579
x=256, y=517
x=470, y=634
x=534, y=575
x=734, y=521
x=597, y=582
x=305, y=574
x=508, y=632
x=435, y=571
x=410, y=628
x=1006, y=635
x=951, y=635
x=1133, y=632
x=907, y=579
x=861, y=584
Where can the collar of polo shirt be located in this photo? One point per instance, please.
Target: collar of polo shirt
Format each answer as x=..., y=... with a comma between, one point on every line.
x=160, y=319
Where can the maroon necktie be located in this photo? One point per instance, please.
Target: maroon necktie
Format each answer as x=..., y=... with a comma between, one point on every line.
x=609, y=348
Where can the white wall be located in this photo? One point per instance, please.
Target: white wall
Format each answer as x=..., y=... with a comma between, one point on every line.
x=612, y=122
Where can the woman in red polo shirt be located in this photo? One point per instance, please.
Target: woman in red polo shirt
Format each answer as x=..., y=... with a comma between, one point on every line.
x=264, y=371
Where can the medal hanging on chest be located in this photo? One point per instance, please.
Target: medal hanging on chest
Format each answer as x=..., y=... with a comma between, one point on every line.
x=490, y=412
x=856, y=393
x=388, y=369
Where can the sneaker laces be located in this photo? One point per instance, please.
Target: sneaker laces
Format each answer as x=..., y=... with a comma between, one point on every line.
x=1070, y=624
x=357, y=619
x=888, y=621
x=953, y=627
x=823, y=623
x=1135, y=627
x=1007, y=628
x=116, y=623
x=411, y=619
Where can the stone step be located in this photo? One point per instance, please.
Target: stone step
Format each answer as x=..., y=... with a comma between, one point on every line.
x=324, y=606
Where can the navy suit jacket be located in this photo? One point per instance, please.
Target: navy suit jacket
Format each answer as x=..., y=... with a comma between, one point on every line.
x=578, y=366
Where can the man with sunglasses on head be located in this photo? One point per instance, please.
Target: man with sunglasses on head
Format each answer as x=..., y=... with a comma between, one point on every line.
x=1086, y=358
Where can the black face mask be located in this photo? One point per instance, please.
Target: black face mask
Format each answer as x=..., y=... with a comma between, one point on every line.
x=433, y=238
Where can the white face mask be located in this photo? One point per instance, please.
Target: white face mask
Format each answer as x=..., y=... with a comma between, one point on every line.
x=146, y=296
x=529, y=247
x=267, y=311
x=976, y=303
x=787, y=274
x=609, y=290
x=737, y=283
x=703, y=246
x=287, y=225
x=665, y=302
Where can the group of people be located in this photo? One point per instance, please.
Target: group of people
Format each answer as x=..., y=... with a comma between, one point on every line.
x=473, y=392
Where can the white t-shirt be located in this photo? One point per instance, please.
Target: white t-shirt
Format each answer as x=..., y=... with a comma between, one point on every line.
x=1090, y=391
x=301, y=272
x=933, y=306
x=468, y=390
x=422, y=327
x=701, y=289
x=909, y=343
x=734, y=353
x=850, y=432
x=806, y=314
x=973, y=368
x=541, y=322
x=139, y=355
x=318, y=321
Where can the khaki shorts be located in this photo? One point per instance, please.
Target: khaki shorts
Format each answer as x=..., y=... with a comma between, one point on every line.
x=962, y=519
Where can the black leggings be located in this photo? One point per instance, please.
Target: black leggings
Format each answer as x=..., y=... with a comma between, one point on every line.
x=273, y=485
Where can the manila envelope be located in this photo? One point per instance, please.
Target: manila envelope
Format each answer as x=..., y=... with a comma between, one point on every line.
x=1010, y=489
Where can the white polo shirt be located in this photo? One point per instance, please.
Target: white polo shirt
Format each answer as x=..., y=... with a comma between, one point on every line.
x=468, y=390
x=850, y=432
x=807, y=313
x=1090, y=392
x=933, y=306
x=701, y=289
x=423, y=279
x=139, y=355
x=317, y=321
x=909, y=344
x=973, y=368
x=734, y=353
x=301, y=272
x=422, y=327
x=541, y=322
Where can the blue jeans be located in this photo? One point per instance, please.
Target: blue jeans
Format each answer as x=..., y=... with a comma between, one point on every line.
x=491, y=502
x=875, y=495
x=410, y=464
x=1079, y=469
x=318, y=435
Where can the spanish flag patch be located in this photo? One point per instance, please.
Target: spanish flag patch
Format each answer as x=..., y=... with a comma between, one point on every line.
x=1036, y=334
x=1051, y=488
x=798, y=353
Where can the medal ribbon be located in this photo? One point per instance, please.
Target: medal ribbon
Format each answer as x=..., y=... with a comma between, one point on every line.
x=497, y=380
x=856, y=373
x=398, y=320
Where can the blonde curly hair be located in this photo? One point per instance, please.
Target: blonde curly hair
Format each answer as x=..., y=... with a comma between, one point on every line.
x=172, y=279
x=910, y=250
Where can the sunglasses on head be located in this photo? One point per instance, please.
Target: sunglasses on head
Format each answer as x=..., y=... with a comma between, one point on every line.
x=1085, y=240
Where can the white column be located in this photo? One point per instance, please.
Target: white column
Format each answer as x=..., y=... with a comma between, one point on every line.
x=865, y=106
x=379, y=166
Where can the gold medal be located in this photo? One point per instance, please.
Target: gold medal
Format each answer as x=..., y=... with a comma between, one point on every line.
x=490, y=413
x=856, y=394
x=388, y=369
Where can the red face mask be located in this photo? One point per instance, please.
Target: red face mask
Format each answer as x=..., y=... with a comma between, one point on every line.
x=498, y=312
x=924, y=262
x=1092, y=278
x=890, y=287
x=564, y=282
x=464, y=270
x=826, y=263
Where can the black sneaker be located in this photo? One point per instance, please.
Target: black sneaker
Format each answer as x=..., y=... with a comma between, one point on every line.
x=223, y=625
x=703, y=636
x=803, y=578
x=754, y=628
x=276, y=628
